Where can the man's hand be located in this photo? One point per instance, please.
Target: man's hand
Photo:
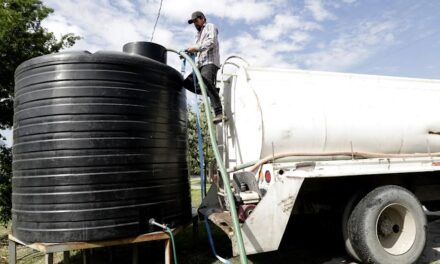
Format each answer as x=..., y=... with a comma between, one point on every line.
x=191, y=50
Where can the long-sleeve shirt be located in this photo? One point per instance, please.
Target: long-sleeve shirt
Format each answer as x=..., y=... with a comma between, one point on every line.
x=207, y=46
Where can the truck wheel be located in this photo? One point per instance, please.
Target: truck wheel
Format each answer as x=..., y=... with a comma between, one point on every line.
x=388, y=226
x=354, y=199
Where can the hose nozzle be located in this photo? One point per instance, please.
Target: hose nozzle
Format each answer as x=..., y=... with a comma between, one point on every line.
x=153, y=222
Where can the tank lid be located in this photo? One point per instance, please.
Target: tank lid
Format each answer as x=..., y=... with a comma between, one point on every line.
x=147, y=49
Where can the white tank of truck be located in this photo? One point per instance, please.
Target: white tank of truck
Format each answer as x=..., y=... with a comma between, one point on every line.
x=275, y=111
x=364, y=148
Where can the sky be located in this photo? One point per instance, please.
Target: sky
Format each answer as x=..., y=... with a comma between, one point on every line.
x=384, y=37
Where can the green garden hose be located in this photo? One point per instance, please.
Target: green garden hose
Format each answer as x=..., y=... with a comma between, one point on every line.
x=170, y=234
x=220, y=164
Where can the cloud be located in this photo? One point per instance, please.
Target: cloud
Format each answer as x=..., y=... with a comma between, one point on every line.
x=348, y=1
x=318, y=11
x=266, y=33
x=108, y=25
x=273, y=44
x=257, y=51
x=7, y=133
x=249, y=11
x=284, y=23
x=59, y=25
x=105, y=25
x=351, y=48
x=126, y=5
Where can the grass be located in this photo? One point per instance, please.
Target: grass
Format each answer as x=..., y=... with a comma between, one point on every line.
x=4, y=243
x=196, y=194
x=26, y=255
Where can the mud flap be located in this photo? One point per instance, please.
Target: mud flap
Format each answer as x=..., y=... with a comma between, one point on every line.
x=264, y=228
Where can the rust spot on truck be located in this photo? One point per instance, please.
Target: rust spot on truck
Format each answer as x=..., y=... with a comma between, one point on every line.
x=306, y=166
x=434, y=132
x=287, y=204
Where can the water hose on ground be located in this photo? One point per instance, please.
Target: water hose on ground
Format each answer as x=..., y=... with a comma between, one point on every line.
x=220, y=164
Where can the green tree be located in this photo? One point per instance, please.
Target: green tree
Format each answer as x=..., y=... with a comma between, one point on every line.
x=193, y=148
x=21, y=38
x=5, y=184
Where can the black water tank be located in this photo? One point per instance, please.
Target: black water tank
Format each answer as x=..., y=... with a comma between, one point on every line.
x=99, y=147
x=148, y=49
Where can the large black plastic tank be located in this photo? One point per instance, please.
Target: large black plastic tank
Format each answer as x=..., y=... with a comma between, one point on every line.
x=99, y=147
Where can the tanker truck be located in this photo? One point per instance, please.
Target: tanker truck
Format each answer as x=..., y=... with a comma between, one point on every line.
x=301, y=142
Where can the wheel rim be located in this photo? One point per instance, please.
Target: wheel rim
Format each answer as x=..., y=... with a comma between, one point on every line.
x=396, y=229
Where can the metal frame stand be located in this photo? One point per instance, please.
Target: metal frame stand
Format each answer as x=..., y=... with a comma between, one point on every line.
x=49, y=248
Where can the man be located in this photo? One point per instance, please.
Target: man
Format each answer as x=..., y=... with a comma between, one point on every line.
x=207, y=49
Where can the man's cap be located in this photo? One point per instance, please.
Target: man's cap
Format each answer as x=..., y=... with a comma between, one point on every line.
x=194, y=16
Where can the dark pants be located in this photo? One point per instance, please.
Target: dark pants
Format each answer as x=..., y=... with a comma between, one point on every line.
x=209, y=75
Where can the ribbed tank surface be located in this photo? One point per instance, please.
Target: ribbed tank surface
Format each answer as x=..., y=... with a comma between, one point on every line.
x=99, y=147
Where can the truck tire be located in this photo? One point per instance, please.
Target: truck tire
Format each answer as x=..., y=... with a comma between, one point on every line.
x=354, y=199
x=388, y=226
